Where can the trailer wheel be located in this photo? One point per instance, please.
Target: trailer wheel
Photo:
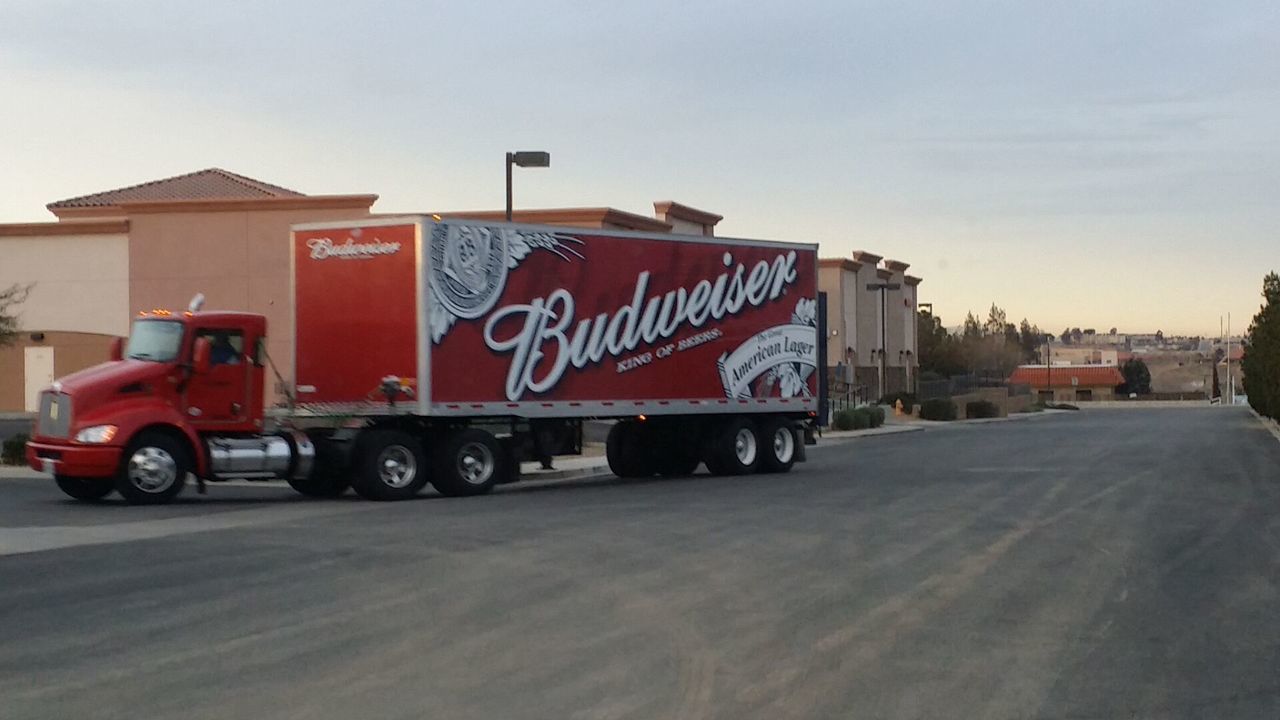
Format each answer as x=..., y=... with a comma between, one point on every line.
x=330, y=477
x=679, y=457
x=153, y=470
x=777, y=446
x=469, y=462
x=389, y=465
x=735, y=449
x=628, y=451
x=87, y=489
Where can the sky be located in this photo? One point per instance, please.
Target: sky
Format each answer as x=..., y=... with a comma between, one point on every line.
x=1080, y=164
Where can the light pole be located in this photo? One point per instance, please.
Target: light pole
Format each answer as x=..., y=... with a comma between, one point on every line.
x=524, y=158
x=884, y=329
x=1048, y=365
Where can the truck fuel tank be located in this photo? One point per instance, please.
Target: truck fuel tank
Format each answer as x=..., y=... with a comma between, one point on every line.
x=284, y=455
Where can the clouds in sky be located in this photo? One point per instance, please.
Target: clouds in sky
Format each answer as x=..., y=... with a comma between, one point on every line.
x=1091, y=163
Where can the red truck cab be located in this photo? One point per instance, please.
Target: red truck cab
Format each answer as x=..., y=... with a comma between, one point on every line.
x=139, y=423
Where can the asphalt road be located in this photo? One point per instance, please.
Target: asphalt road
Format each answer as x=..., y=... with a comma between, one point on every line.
x=1103, y=564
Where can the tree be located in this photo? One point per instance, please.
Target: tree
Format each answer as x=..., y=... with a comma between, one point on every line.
x=1076, y=335
x=1217, y=387
x=1065, y=336
x=1261, y=362
x=1113, y=331
x=996, y=320
x=939, y=351
x=1030, y=338
x=971, y=327
x=1137, y=377
x=10, y=298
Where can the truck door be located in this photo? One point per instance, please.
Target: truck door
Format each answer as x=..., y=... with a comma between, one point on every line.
x=220, y=395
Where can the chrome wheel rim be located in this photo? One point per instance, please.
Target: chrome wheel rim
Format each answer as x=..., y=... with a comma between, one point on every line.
x=152, y=470
x=475, y=463
x=784, y=445
x=397, y=467
x=744, y=446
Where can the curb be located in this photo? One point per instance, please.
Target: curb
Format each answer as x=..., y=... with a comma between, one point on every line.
x=21, y=472
x=1269, y=425
x=566, y=474
x=873, y=432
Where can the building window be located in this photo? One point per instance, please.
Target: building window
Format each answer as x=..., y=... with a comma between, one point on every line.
x=1084, y=394
x=1045, y=395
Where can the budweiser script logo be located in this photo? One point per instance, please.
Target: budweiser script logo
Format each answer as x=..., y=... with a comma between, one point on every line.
x=324, y=248
x=547, y=329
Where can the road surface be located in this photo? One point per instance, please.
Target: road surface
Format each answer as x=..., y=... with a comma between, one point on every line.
x=1101, y=564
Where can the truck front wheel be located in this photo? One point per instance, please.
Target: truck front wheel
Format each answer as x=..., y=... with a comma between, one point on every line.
x=389, y=465
x=468, y=462
x=85, y=488
x=153, y=470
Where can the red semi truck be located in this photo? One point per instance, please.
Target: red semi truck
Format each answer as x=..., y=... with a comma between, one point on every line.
x=442, y=351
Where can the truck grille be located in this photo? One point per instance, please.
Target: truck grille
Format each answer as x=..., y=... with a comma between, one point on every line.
x=54, y=420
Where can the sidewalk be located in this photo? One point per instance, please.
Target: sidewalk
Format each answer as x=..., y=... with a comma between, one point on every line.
x=886, y=429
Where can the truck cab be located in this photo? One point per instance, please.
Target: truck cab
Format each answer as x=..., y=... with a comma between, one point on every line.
x=172, y=400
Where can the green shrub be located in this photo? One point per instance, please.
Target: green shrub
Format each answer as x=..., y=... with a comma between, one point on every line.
x=861, y=418
x=877, y=416
x=938, y=409
x=981, y=409
x=908, y=401
x=13, y=452
x=843, y=420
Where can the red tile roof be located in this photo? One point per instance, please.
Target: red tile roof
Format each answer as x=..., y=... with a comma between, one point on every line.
x=1061, y=375
x=209, y=184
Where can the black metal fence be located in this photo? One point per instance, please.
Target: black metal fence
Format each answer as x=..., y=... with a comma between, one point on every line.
x=965, y=384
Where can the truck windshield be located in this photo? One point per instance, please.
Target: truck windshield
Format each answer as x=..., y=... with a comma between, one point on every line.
x=155, y=341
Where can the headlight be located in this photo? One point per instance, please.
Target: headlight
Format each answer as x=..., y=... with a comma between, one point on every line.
x=96, y=434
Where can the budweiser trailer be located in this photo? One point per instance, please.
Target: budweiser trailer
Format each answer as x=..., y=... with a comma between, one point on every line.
x=445, y=352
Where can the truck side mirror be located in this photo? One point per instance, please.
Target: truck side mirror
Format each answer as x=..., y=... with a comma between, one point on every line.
x=117, y=349
x=200, y=355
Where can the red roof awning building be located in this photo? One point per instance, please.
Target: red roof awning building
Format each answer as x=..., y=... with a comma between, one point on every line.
x=1070, y=382
x=1065, y=376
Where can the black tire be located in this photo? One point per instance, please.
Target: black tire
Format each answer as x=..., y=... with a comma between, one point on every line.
x=330, y=477
x=469, y=462
x=388, y=465
x=679, y=460
x=777, y=445
x=628, y=451
x=153, y=469
x=87, y=489
x=734, y=449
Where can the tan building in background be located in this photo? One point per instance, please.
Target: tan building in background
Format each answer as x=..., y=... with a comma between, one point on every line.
x=153, y=245
x=112, y=254
x=872, y=343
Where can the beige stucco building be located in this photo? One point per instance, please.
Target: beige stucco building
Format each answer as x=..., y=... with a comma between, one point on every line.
x=112, y=254
x=871, y=334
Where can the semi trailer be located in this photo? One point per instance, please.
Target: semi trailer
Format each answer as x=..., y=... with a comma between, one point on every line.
x=441, y=351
